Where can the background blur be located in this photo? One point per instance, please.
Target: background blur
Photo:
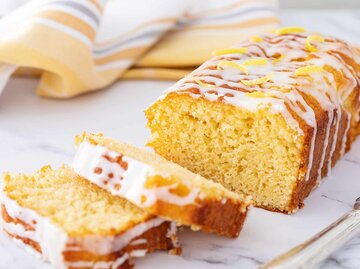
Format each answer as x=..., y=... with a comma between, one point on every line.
x=9, y=5
x=320, y=3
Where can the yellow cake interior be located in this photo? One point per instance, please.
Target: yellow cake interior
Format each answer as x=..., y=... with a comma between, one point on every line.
x=254, y=153
x=73, y=203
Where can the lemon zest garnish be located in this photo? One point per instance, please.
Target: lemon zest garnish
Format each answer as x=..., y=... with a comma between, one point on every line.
x=256, y=39
x=312, y=38
x=230, y=51
x=305, y=70
x=45, y=168
x=80, y=138
x=224, y=64
x=256, y=62
x=258, y=94
x=258, y=80
x=204, y=84
x=279, y=59
x=284, y=90
x=280, y=88
x=289, y=30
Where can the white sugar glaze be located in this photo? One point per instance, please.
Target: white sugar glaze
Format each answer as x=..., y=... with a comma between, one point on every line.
x=126, y=182
x=226, y=83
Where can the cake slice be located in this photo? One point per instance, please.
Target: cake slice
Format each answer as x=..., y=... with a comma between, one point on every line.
x=159, y=186
x=74, y=224
x=266, y=118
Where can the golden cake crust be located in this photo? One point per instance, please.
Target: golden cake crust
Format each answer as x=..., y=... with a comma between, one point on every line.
x=312, y=78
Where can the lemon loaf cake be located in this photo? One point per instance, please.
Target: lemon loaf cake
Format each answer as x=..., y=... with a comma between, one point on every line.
x=267, y=118
x=161, y=187
x=72, y=223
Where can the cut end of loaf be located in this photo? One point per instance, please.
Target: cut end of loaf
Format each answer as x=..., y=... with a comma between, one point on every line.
x=253, y=153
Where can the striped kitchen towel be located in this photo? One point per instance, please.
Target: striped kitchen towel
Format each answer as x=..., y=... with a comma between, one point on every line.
x=77, y=46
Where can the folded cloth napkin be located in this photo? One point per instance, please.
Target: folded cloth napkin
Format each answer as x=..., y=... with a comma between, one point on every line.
x=77, y=46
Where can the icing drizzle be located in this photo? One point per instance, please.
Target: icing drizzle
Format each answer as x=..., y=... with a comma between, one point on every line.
x=126, y=177
x=297, y=64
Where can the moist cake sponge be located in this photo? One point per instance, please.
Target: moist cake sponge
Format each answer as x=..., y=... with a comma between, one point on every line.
x=159, y=186
x=267, y=118
x=74, y=224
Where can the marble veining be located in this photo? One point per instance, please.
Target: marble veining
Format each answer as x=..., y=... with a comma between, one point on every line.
x=36, y=131
x=337, y=200
x=214, y=254
x=351, y=161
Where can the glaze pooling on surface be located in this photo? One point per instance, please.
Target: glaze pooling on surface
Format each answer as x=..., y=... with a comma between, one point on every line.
x=54, y=242
x=285, y=56
x=126, y=177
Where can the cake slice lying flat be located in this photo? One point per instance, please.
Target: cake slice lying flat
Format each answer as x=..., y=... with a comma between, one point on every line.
x=159, y=186
x=74, y=224
x=266, y=118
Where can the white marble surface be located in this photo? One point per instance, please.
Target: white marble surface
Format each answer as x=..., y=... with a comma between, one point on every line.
x=36, y=131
